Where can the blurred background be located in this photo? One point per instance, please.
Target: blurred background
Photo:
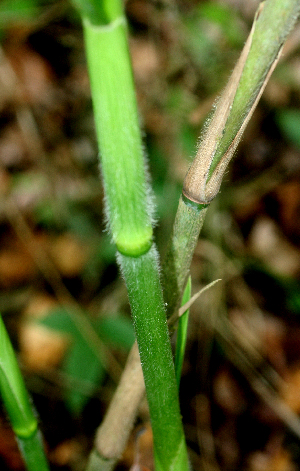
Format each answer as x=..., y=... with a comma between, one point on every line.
x=61, y=297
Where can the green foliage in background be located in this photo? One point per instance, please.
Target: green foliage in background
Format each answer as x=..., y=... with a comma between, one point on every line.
x=12, y=11
x=289, y=123
x=81, y=364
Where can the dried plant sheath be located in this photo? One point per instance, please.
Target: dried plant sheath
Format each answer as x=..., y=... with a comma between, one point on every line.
x=195, y=183
x=239, y=99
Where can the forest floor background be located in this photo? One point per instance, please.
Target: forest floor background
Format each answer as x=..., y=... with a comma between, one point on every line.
x=240, y=390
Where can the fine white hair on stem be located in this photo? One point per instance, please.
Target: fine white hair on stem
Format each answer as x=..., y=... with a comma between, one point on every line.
x=234, y=109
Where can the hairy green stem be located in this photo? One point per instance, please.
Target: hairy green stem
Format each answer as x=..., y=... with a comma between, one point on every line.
x=32, y=450
x=129, y=217
x=156, y=357
x=120, y=144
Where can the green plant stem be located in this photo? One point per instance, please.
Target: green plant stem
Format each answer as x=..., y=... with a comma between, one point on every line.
x=120, y=144
x=154, y=346
x=176, y=267
x=99, y=12
x=17, y=403
x=32, y=450
x=175, y=270
x=129, y=215
x=182, y=332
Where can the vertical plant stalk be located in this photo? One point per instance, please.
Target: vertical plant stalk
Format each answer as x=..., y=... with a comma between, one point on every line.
x=130, y=221
x=163, y=402
x=17, y=403
x=182, y=332
x=176, y=266
x=272, y=25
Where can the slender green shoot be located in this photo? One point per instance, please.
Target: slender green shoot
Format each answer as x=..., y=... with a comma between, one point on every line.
x=32, y=450
x=17, y=403
x=182, y=317
x=176, y=266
